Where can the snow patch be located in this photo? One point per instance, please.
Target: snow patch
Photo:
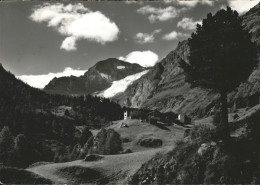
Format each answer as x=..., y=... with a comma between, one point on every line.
x=120, y=67
x=121, y=85
x=104, y=75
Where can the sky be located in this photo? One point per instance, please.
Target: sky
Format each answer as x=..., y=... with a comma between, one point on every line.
x=43, y=40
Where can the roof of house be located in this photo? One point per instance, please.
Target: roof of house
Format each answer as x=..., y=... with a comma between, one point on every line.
x=154, y=111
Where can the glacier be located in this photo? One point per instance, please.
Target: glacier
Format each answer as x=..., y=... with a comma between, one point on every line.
x=121, y=85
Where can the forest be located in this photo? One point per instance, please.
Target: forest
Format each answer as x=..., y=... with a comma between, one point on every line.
x=31, y=130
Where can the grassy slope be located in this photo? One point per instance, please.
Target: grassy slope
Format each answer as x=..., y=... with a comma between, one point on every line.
x=137, y=129
x=10, y=175
x=117, y=168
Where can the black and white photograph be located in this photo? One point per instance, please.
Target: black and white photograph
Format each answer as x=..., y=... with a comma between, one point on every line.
x=130, y=92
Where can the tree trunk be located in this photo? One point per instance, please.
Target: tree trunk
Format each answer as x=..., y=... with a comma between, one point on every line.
x=224, y=115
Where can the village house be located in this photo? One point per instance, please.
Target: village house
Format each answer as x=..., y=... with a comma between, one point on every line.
x=184, y=119
x=154, y=116
x=126, y=115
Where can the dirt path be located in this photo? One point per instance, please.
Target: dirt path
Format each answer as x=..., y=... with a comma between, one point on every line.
x=117, y=168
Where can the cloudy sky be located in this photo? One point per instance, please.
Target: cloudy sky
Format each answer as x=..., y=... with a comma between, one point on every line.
x=40, y=40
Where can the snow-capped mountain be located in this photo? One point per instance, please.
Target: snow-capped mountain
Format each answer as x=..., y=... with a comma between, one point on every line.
x=98, y=78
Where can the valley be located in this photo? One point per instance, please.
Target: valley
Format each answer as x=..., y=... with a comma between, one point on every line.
x=134, y=117
x=120, y=168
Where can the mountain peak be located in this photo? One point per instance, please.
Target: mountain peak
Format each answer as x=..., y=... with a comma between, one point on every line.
x=97, y=78
x=112, y=64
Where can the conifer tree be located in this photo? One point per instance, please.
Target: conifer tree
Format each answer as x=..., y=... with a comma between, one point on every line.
x=221, y=57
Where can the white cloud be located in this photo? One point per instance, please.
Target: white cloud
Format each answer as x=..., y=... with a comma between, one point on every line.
x=188, y=23
x=133, y=2
x=174, y=35
x=76, y=22
x=146, y=37
x=40, y=81
x=159, y=14
x=69, y=44
x=193, y=3
x=242, y=6
x=143, y=58
x=223, y=7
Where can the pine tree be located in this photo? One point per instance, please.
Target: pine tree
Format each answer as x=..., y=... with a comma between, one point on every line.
x=85, y=135
x=24, y=154
x=6, y=146
x=221, y=57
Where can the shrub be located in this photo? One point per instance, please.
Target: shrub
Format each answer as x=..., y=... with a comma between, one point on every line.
x=203, y=133
x=106, y=142
x=24, y=153
x=113, y=142
x=150, y=142
x=253, y=126
x=127, y=151
x=6, y=146
x=85, y=135
x=93, y=157
x=125, y=140
x=217, y=118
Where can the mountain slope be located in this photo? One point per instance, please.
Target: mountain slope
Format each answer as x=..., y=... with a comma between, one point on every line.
x=252, y=22
x=164, y=87
x=97, y=78
x=248, y=93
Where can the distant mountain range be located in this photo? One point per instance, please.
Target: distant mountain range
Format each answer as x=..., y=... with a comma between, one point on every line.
x=97, y=78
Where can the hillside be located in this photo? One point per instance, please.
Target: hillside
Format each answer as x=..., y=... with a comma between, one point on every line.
x=251, y=21
x=16, y=97
x=97, y=78
x=248, y=93
x=164, y=87
x=115, y=168
x=202, y=157
x=36, y=126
